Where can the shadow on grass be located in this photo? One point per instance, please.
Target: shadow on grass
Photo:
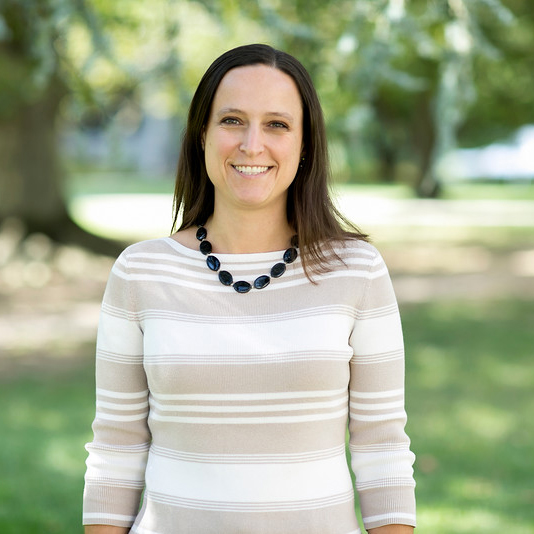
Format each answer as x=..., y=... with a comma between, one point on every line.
x=45, y=421
x=470, y=377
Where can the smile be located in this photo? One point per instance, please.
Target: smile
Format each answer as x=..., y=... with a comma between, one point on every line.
x=246, y=169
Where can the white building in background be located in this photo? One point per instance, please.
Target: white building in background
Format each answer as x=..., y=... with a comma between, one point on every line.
x=505, y=161
x=151, y=148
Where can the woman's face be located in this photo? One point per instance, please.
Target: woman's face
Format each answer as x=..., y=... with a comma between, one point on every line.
x=253, y=138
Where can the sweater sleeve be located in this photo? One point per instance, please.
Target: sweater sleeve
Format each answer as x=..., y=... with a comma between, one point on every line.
x=380, y=449
x=114, y=479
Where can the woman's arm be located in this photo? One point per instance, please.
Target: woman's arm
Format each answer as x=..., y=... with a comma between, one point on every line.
x=380, y=449
x=105, y=529
x=387, y=529
x=114, y=480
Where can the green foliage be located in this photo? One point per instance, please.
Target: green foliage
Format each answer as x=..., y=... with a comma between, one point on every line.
x=398, y=79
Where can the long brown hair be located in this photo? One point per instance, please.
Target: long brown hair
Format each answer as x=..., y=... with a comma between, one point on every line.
x=310, y=210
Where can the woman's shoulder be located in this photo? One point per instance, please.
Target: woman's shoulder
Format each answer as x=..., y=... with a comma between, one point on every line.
x=147, y=246
x=352, y=246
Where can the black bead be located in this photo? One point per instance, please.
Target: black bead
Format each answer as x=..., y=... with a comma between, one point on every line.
x=242, y=287
x=202, y=233
x=205, y=247
x=213, y=263
x=290, y=255
x=278, y=270
x=226, y=278
x=262, y=281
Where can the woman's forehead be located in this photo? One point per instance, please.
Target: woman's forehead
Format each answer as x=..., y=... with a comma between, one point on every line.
x=258, y=87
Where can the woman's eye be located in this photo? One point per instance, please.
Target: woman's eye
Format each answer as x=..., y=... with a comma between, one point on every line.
x=277, y=124
x=230, y=120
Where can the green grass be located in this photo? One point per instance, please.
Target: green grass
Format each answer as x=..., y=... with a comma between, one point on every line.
x=45, y=421
x=105, y=182
x=470, y=375
x=489, y=191
x=470, y=378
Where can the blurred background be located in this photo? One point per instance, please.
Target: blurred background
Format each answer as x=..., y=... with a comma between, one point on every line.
x=430, y=114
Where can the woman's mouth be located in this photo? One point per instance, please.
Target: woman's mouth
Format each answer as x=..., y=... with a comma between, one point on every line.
x=250, y=170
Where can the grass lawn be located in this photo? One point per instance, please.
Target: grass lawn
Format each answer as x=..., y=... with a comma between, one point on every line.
x=80, y=183
x=45, y=420
x=470, y=376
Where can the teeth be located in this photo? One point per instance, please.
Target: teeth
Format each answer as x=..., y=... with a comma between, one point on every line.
x=245, y=169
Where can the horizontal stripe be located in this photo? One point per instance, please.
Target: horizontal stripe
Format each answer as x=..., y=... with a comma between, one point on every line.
x=251, y=507
x=116, y=466
x=248, y=396
x=119, y=358
x=139, y=529
x=287, y=419
x=380, y=335
x=266, y=408
x=386, y=483
x=350, y=246
x=377, y=312
x=118, y=313
x=154, y=268
x=376, y=466
x=325, y=336
x=378, y=447
x=122, y=394
x=247, y=359
x=378, y=417
x=248, y=458
x=381, y=406
x=182, y=264
x=376, y=394
x=115, y=483
x=112, y=517
x=238, y=321
x=379, y=358
x=123, y=418
x=250, y=483
x=217, y=287
x=122, y=449
x=121, y=407
x=155, y=256
x=384, y=517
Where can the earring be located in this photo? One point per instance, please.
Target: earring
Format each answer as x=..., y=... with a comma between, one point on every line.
x=301, y=164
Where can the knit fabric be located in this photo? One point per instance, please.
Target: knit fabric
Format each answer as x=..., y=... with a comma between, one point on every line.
x=224, y=413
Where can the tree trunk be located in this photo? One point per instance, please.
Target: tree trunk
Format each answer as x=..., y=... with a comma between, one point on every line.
x=424, y=136
x=31, y=175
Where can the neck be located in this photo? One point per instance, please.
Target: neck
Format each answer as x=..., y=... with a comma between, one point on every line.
x=246, y=233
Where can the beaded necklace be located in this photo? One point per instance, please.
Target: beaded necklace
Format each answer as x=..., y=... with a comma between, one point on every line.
x=241, y=286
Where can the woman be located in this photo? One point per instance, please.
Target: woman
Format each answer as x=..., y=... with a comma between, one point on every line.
x=231, y=355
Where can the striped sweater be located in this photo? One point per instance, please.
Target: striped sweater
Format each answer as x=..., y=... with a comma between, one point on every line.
x=224, y=413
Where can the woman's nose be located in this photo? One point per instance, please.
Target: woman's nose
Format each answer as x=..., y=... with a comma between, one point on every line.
x=252, y=142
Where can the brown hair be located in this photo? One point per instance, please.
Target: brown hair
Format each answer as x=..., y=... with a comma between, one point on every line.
x=309, y=207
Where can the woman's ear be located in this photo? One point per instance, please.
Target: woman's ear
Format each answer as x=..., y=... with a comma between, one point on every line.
x=203, y=138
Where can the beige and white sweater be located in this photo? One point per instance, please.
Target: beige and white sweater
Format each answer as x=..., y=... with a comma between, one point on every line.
x=229, y=411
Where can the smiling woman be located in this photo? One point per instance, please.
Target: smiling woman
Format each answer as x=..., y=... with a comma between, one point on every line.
x=253, y=145
x=222, y=402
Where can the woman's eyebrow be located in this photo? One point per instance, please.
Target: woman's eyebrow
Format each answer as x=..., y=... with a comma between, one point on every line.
x=282, y=114
x=224, y=111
